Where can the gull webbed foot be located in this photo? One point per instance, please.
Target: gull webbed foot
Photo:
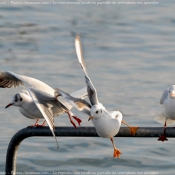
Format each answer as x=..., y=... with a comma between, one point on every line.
x=77, y=119
x=162, y=138
x=117, y=153
x=133, y=130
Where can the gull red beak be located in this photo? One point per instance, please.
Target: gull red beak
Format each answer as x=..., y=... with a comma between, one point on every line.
x=10, y=104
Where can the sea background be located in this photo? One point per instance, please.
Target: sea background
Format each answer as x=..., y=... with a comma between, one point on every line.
x=129, y=51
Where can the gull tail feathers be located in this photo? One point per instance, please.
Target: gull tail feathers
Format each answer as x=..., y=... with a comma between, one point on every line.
x=170, y=122
x=161, y=119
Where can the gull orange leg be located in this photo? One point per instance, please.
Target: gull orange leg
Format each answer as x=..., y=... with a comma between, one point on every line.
x=116, y=151
x=133, y=129
x=44, y=123
x=71, y=120
x=36, y=123
x=163, y=136
x=75, y=117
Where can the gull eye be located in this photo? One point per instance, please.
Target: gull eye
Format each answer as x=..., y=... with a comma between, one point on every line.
x=16, y=99
x=96, y=112
x=101, y=111
x=20, y=99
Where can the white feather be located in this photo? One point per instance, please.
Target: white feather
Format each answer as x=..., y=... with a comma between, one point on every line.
x=161, y=119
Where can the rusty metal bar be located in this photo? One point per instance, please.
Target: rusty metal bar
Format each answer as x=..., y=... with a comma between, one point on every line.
x=12, y=150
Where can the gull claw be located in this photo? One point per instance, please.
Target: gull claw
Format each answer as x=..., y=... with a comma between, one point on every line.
x=37, y=125
x=162, y=138
x=117, y=153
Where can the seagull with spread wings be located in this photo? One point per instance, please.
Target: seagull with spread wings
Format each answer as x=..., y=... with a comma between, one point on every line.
x=107, y=123
x=39, y=100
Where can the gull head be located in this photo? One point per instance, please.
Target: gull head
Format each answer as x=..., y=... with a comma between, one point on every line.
x=96, y=111
x=18, y=99
x=172, y=91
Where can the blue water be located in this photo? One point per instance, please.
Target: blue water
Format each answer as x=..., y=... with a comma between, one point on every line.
x=129, y=52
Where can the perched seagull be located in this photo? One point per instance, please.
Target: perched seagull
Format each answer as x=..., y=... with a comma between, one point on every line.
x=107, y=123
x=40, y=101
x=167, y=116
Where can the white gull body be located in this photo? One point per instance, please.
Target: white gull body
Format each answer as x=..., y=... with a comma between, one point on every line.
x=168, y=102
x=167, y=116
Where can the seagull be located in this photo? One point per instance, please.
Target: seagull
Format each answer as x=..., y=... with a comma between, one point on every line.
x=28, y=108
x=107, y=123
x=40, y=100
x=167, y=116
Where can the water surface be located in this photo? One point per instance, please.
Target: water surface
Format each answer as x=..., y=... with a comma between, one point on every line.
x=129, y=53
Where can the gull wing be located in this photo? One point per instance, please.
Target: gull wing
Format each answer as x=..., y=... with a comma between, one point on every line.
x=92, y=93
x=164, y=96
x=82, y=93
x=77, y=103
x=41, y=99
x=9, y=79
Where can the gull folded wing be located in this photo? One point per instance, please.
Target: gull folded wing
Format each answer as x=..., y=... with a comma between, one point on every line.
x=164, y=96
x=41, y=100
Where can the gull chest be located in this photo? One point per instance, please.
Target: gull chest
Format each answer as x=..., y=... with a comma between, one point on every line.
x=169, y=108
x=106, y=127
x=30, y=110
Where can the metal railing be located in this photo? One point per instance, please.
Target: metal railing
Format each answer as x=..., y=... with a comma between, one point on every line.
x=10, y=168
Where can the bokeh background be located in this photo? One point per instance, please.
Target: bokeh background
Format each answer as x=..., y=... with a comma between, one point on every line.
x=129, y=53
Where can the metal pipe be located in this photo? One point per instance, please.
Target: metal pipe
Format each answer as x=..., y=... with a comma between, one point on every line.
x=12, y=150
